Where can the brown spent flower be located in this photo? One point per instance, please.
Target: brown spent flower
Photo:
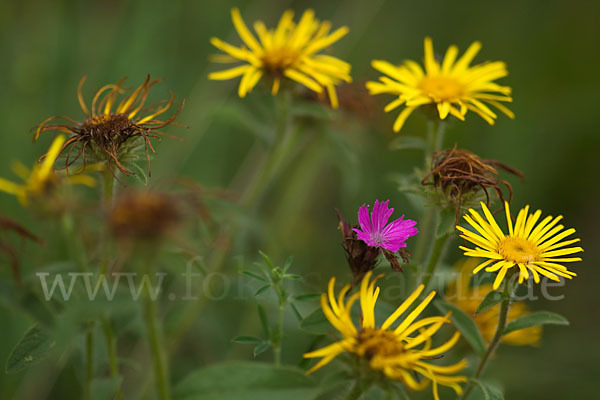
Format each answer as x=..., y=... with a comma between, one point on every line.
x=361, y=257
x=8, y=225
x=109, y=126
x=143, y=215
x=457, y=172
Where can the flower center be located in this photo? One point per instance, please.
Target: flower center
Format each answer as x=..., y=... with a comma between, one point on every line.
x=378, y=342
x=108, y=127
x=277, y=60
x=518, y=250
x=377, y=237
x=441, y=87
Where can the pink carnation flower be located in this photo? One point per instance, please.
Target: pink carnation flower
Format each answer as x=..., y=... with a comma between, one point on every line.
x=375, y=231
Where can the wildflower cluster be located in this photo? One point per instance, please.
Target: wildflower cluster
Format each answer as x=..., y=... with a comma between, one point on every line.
x=428, y=332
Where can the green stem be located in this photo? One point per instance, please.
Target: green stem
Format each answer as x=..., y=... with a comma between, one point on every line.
x=160, y=366
x=358, y=389
x=509, y=288
x=439, y=248
x=277, y=336
x=249, y=201
x=111, y=344
x=111, y=340
x=109, y=184
x=89, y=357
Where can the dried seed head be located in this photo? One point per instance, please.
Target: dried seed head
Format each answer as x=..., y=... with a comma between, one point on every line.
x=143, y=215
x=110, y=126
x=458, y=172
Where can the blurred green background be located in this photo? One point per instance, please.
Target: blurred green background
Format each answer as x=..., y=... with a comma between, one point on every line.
x=551, y=48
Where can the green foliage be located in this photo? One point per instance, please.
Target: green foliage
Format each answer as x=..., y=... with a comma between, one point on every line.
x=246, y=381
x=534, y=319
x=490, y=300
x=35, y=346
x=488, y=391
x=446, y=223
x=465, y=325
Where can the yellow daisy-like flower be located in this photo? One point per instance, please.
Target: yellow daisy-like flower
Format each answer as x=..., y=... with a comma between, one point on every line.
x=397, y=352
x=290, y=50
x=536, y=248
x=468, y=299
x=41, y=178
x=453, y=86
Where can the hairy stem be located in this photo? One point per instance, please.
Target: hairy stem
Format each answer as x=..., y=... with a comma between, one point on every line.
x=509, y=288
x=160, y=366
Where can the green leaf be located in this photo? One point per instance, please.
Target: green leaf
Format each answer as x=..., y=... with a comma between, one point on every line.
x=489, y=392
x=253, y=275
x=490, y=300
x=31, y=349
x=534, y=319
x=408, y=142
x=465, y=325
x=247, y=340
x=246, y=381
x=261, y=290
x=316, y=323
x=288, y=263
x=446, y=223
x=308, y=296
x=267, y=260
x=261, y=348
x=264, y=320
x=291, y=276
x=296, y=312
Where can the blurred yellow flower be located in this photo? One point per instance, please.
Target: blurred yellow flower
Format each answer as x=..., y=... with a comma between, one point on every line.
x=452, y=86
x=538, y=249
x=41, y=178
x=468, y=300
x=399, y=353
x=290, y=50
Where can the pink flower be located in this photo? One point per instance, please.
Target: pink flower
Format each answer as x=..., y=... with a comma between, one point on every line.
x=376, y=231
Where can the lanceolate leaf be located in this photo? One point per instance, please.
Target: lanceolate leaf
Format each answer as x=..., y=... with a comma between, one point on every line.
x=32, y=348
x=465, y=325
x=246, y=381
x=489, y=392
x=490, y=300
x=534, y=319
x=247, y=340
x=446, y=223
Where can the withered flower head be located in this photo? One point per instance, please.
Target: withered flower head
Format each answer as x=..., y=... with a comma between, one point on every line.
x=361, y=257
x=111, y=128
x=144, y=215
x=458, y=172
x=8, y=225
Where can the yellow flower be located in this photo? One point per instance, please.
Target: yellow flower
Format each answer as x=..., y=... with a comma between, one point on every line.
x=290, y=50
x=538, y=249
x=453, y=86
x=468, y=300
x=41, y=178
x=397, y=352
x=110, y=125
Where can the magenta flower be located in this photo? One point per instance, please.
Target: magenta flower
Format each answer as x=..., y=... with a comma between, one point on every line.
x=376, y=231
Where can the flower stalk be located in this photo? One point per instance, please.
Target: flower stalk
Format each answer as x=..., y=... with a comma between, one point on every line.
x=509, y=288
